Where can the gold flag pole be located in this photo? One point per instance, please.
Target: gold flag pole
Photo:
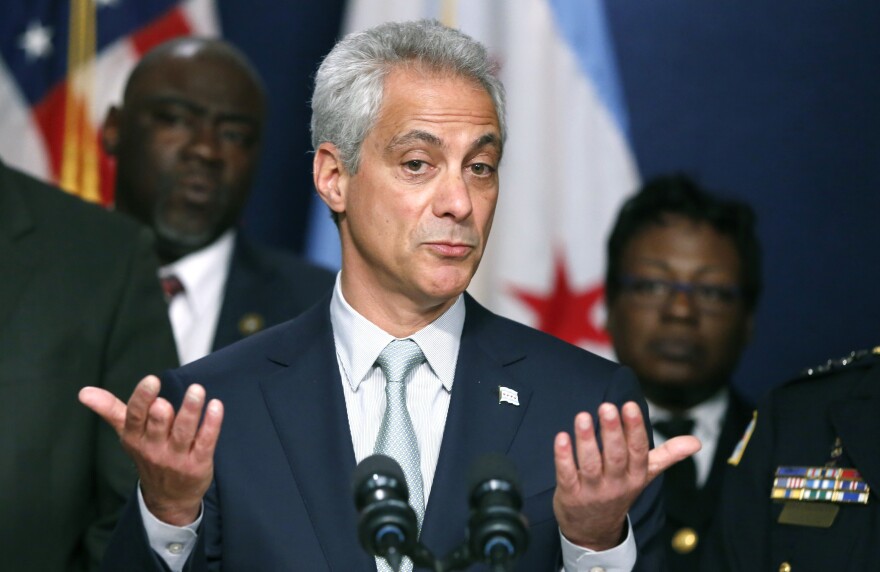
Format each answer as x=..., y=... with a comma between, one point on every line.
x=79, y=161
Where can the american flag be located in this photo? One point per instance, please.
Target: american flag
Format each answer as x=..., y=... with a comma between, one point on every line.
x=62, y=64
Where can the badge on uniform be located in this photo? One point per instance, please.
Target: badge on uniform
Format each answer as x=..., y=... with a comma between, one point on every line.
x=813, y=495
x=740, y=448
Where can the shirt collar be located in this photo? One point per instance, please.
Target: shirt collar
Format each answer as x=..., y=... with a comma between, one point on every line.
x=359, y=342
x=707, y=416
x=203, y=271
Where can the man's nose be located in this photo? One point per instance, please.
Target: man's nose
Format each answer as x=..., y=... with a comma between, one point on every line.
x=205, y=141
x=453, y=197
x=681, y=304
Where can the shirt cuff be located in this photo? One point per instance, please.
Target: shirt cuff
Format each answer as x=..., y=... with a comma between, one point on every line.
x=621, y=558
x=172, y=543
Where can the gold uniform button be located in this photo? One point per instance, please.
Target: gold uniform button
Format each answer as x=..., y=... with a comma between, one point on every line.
x=251, y=323
x=785, y=567
x=685, y=540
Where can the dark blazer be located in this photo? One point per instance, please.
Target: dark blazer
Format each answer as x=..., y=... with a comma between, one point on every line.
x=281, y=495
x=79, y=305
x=265, y=287
x=797, y=425
x=698, y=514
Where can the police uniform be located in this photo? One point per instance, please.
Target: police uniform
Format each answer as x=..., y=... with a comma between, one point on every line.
x=691, y=501
x=801, y=489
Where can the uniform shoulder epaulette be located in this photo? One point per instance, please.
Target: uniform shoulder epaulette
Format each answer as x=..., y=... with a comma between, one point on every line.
x=860, y=358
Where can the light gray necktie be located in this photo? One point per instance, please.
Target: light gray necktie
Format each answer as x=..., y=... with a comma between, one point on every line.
x=397, y=438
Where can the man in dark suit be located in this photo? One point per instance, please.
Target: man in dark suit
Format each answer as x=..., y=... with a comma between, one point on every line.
x=408, y=128
x=682, y=284
x=79, y=303
x=186, y=142
x=801, y=493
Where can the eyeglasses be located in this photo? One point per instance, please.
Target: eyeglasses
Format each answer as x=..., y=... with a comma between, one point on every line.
x=656, y=292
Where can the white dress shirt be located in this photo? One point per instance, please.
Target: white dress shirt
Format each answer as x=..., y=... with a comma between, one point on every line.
x=708, y=417
x=358, y=343
x=194, y=313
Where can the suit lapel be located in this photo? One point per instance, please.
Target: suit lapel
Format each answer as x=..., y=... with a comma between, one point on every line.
x=240, y=285
x=476, y=424
x=15, y=257
x=307, y=408
x=857, y=421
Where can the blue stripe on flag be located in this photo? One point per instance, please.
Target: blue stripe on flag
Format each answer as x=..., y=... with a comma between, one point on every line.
x=584, y=26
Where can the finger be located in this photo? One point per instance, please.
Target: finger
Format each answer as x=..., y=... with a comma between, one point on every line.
x=563, y=458
x=671, y=452
x=105, y=404
x=636, y=438
x=206, y=439
x=183, y=432
x=139, y=405
x=159, y=420
x=589, y=457
x=614, y=452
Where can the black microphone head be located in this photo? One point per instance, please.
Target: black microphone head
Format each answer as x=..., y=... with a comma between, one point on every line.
x=378, y=473
x=497, y=531
x=490, y=473
x=387, y=525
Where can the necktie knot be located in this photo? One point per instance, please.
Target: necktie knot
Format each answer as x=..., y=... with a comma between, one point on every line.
x=399, y=358
x=171, y=286
x=675, y=426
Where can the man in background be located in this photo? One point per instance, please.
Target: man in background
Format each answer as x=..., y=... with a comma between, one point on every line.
x=79, y=303
x=186, y=141
x=682, y=283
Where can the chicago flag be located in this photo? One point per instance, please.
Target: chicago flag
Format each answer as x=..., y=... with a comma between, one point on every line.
x=567, y=165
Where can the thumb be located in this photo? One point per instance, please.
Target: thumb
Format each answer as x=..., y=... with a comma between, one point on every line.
x=105, y=404
x=671, y=452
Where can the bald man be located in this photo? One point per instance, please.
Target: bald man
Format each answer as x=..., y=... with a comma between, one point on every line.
x=186, y=141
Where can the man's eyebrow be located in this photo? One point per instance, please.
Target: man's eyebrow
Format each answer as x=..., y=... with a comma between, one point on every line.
x=410, y=137
x=490, y=139
x=199, y=109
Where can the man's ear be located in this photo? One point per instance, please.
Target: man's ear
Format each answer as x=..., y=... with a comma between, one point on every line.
x=110, y=130
x=331, y=178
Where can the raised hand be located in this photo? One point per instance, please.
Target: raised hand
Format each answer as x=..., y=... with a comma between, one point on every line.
x=173, y=454
x=594, y=494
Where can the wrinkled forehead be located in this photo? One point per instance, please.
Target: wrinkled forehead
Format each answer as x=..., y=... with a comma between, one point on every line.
x=425, y=93
x=209, y=76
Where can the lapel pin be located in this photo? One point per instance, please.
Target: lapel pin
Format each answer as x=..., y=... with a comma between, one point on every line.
x=251, y=323
x=507, y=395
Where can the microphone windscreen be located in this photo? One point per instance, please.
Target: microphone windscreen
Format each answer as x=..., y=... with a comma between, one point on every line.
x=377, y=465
x=492, y=466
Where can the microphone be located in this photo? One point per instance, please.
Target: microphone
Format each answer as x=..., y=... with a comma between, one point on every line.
x=497, y=531
x=387, y=526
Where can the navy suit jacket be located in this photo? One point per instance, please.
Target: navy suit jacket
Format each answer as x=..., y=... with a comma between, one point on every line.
x=281, y=497
x=266, y=287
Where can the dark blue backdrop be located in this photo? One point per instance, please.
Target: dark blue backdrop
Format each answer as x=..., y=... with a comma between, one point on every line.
x=772, y=102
